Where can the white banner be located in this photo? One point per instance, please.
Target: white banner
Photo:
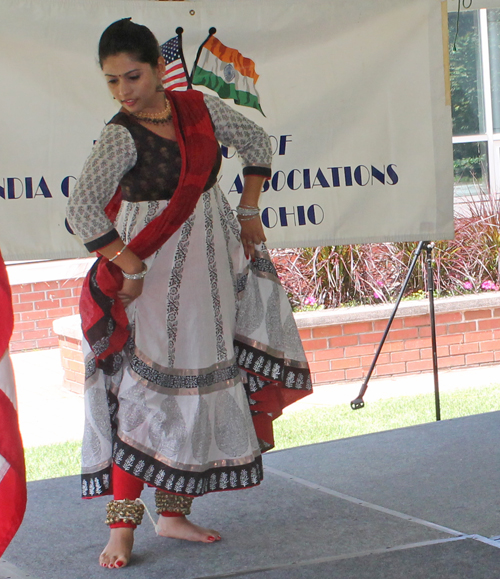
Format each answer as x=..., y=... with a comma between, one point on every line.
x=353, y=94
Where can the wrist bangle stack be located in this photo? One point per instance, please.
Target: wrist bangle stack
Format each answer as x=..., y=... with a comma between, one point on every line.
x=118, y=253
x=140, y=275
x=247, y=212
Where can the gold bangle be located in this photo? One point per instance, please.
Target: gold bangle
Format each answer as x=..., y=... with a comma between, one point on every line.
x=118, y=253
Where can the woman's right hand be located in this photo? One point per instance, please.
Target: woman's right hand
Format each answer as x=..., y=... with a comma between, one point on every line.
x=131, y=290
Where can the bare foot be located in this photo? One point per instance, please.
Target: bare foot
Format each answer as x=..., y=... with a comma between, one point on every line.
x=117, y=552
x=182, y=528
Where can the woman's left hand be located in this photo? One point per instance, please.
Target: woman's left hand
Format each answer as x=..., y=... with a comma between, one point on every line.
x=252, y=234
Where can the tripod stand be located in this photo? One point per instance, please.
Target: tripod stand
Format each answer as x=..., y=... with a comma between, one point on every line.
x=358, y=402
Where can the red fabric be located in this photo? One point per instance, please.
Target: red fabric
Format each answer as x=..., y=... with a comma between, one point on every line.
x=13, y=483
x=198, y=149
x=6, y=314
x=125, y=485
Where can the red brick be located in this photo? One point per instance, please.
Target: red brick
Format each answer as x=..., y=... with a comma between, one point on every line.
x=46, y=323
x=60, y=293
x=16, y=337
x=390, y=369
x=481, y=358
x=478, y=336
x=331, y=354
x=75, y=310
x=360, y=350
x=453, y=361
x=305, y=333
x=464, y=348
x=373, y=338
x=327, y=331
x=497, y=356
x=419, y=366
x=59, y=313
x=68, y=340
x=345, y=363
x=15, y=298
x=36, y=335
x=358, y=328
x=415, y=321
x=47, y=304
x=309, y=356
x=76, y=291
x=46, y=285
x=70, y=375
x=442, y=351
x=51, y=342
x=21, y=346
x=34, y=315
x=23, y=326
x=496, y=313
x=343, y=341
x=390, y=346
x=315, y=344
x=405, y=356
x=65, y=302
x=448, y=318
x=338, y=376
x=418, y=344
x=381, y=325
x=453, y=339
x=462, y=328
x=32, y=297
x=492, y=324
x=477, y=314
x=17, y=318
x=366, y=361
x=23, y=307
x=22, y=288
x=354, y=374
x=316, y=366
x=425, y=331
x=76, y=366
x=491, y=346
x=404, y=334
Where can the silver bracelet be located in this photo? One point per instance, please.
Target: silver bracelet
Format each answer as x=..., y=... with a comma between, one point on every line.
x=118, y=253
x=140, y=275
x=247, y=217
x=247, y=211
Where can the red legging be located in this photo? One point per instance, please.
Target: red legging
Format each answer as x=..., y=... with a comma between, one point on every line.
x=126, y=486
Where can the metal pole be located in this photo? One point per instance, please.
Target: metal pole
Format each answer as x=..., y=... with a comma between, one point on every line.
x=430, y=287
x=358, y=402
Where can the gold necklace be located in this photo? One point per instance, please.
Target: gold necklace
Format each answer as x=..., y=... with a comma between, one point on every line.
x=163, y=117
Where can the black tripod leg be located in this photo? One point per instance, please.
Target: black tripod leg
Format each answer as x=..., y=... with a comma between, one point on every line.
x=358, y=402
x=430, y=285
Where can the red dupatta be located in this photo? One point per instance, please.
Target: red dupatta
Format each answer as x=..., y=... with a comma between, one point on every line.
x=104, y=320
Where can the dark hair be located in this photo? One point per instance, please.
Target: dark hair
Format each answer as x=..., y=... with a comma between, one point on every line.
x=134, y=39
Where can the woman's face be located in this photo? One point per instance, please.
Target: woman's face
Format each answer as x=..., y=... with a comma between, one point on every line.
x=133, y=84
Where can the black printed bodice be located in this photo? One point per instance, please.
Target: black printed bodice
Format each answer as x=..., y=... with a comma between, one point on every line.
x=157, y=170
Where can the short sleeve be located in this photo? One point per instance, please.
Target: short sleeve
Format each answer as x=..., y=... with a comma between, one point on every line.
x=113, y=155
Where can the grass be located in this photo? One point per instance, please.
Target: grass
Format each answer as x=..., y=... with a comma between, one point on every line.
x=311, y=425
x=334, y=422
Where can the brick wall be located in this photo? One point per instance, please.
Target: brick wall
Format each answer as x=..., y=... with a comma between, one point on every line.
x=341, y=346
x=36, y=306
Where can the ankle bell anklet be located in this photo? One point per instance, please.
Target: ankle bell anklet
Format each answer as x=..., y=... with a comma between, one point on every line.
x=172, y=503
x=124, y=511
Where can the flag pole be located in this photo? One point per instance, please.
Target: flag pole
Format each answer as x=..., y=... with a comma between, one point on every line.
x=211, y=32
x=179, y=32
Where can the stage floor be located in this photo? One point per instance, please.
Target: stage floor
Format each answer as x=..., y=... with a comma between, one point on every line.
x=417, y=502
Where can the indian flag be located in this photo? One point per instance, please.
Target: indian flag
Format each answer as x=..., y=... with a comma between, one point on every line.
x=227, y=72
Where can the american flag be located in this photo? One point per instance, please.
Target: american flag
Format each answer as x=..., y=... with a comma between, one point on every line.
x=175, y=77
x=12, y=470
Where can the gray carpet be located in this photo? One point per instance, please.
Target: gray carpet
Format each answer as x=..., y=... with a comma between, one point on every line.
x=343, y=509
